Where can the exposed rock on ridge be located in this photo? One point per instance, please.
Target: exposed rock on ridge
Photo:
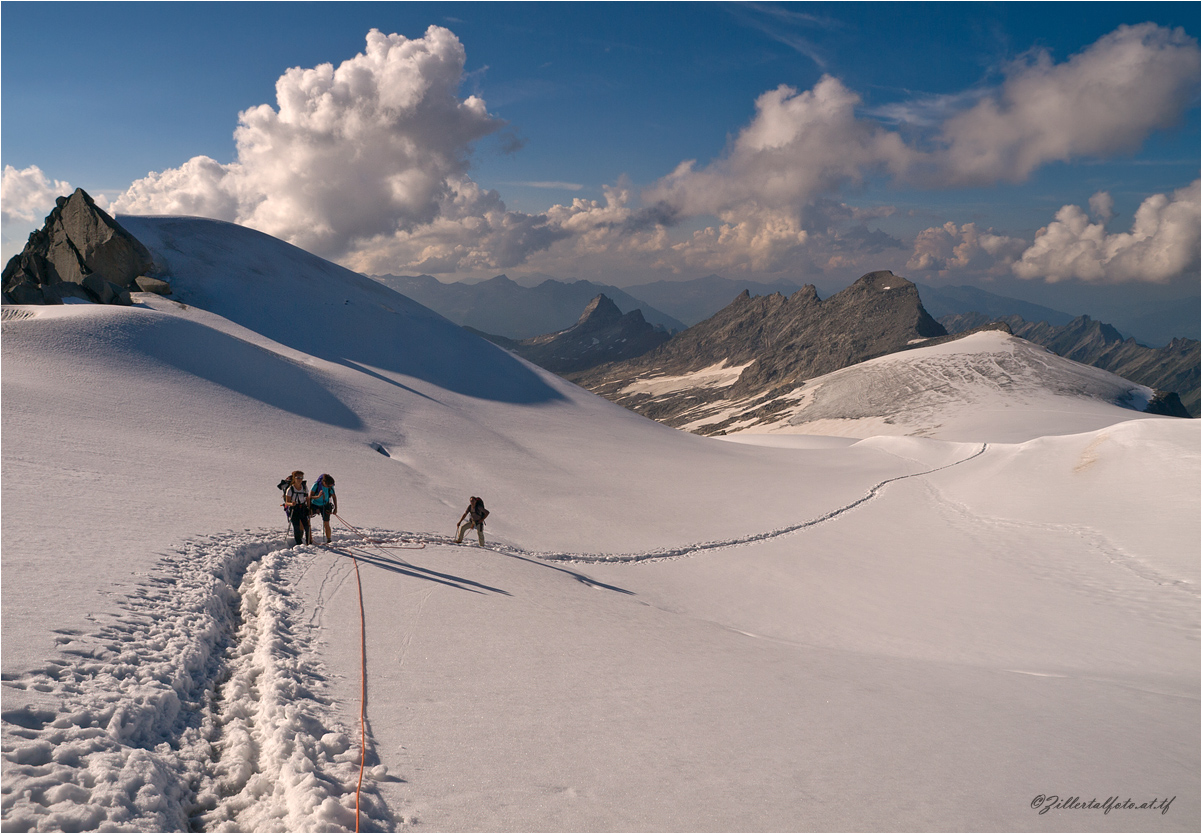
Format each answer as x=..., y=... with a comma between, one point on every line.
x=81, y=252
x=602, y=334
x=1175, y=368
x=777, y=342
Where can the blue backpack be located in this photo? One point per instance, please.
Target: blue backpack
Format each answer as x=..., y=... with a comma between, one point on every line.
x=322, y=492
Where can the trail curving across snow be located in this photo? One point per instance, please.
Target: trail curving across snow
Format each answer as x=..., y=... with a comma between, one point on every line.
x=666, y=553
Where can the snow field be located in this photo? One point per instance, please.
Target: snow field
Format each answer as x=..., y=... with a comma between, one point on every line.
x=986, y=386
x=667, y=632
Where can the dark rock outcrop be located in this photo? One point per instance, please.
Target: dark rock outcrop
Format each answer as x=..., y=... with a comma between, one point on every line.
x=1176, y=368
x=602, y=334
x=81, y=252
x=780, y=341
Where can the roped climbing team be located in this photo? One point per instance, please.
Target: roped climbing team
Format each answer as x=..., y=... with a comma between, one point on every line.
x=300, y=503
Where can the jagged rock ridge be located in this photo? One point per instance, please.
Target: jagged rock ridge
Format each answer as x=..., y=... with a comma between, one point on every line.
x=1174, y=368
x=602, y=334
x=80, y=252
x=756, y=347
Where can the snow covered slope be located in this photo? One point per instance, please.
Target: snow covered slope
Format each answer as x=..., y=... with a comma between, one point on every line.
x=987, y=386
x=670, y=632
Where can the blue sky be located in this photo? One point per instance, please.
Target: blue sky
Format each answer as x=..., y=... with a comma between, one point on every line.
x=877, y=152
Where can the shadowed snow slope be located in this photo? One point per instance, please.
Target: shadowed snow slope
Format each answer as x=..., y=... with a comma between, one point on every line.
x=669, y=632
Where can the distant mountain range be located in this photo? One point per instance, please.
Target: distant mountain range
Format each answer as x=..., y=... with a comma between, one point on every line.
x=1175, y=367
x=696, y=300
x=505, y=308
x=603, y=334
x=948, y=301
x=755, y=348
x=543, y=323
x=537, y=305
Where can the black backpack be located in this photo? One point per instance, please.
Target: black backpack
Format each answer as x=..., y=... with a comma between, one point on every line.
x=283, y=485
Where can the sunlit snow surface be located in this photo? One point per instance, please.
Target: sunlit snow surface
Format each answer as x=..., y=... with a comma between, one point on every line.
x=670, y=632
x=987, y=385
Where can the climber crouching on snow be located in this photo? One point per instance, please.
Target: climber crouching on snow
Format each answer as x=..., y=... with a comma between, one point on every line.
x=296, y=504
x=473, y=516
x=324, y=501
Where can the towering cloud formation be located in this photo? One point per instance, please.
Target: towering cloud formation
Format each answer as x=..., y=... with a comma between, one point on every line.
x=366, y=150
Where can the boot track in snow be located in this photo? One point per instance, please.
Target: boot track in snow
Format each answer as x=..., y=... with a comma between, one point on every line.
x=196, y=708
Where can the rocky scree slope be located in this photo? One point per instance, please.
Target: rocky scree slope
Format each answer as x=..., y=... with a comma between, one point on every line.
x=602, y=334
x=1174, y=368
x=81, y=252
x=766, y=345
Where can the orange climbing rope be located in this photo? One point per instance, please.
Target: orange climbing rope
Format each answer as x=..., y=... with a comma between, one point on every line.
x=362, y=691
x=381, y=546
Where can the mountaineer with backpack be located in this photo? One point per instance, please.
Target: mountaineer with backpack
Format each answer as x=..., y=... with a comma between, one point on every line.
x=296, y=505
x=474, y=515
x=324, y=500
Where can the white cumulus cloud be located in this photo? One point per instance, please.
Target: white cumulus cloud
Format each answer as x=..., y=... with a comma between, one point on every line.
x=471, y=231
x=798, y=147
x=767, y=189
x=354, y=155
x=27, y=195
x=1102, y=101
x=1163, y=243
x=951, y=248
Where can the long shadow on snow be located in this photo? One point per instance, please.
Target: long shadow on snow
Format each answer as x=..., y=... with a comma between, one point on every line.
x=407, y=569
x=244, y=368
x=579, y=577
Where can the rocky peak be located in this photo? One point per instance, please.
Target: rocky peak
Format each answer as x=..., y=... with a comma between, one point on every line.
x=881, y=281
x=600, y=312
x=806, y=295
x=602, y=334
x=80, y=252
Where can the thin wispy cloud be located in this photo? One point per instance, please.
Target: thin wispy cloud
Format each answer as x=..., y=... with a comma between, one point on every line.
x=927, y=110
x=782, y=25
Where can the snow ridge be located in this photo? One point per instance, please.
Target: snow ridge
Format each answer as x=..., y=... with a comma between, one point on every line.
x=195, y=709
